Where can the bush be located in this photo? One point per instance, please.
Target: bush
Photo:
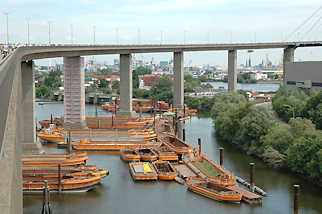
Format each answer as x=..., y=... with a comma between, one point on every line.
x=284, y=104
x=254, y=124
x=273, y=157
x=223, y=101
x=305, y=154
x=279, y=137
x=300, y=125
x=313, y=109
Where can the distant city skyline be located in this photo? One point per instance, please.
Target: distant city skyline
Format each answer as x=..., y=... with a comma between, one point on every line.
x=175, y=21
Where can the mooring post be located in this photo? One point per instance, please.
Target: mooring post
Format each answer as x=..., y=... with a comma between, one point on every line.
x=296, y=198
x=59, y=177
x=199, y=145
x=251, y=168
x=184, y=135
x=112, y=119
x=46, y=209
x=70, y=147
x=154, y=114
x=221, y=150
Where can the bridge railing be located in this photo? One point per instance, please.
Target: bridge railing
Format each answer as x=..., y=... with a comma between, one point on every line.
x=10, y=136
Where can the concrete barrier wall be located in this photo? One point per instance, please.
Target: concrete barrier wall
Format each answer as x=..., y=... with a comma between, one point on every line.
x=11, y=136
x=303, y=73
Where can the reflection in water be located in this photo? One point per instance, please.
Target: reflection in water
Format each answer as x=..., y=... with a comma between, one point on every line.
x=118, y=193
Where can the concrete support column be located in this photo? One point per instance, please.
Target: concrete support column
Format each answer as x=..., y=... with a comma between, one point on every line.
x=74, y=93
x=178, y=85
x=126, y=109
x=232, y=70
x=28, y=102
x=288, y=56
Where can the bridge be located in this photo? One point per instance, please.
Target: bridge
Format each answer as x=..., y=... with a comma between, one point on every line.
x=17, y=93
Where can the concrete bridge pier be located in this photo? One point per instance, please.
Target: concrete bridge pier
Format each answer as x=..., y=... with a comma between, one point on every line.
x=28, y=101
x=288, y=56
x=29, y=144
x=126, y=109
x=178, y=85
x=232, y=70
x=74, y=93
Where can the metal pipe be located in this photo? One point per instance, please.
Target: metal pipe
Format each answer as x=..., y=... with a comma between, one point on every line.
x=221, y=150
x=59, y=177
x=183, y=135
x=296, y=198
x=199, y=145
x=251, y=172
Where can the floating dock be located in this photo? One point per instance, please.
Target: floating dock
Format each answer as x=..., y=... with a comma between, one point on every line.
x=248, y=197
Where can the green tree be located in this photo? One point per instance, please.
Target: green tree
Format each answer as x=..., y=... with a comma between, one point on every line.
x=273, y=157
x=300, y=125
x=141, y=93
x=304, y=155
x=203, y=78
x=284, y=103
x=313, y=109
x=103, y=83
x=53, y=80
x=43, y=91
x=138, y=72
x=223, y=101
x=163, y=89
x=116, y=85
x=105, y=71
x=255, y=124
x=279, y=137
x=190, y=83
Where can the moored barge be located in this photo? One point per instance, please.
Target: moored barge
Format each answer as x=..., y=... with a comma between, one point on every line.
x=165, y=170
x=65, y=184
x=147, y=154
x=212, y=171
x=176, y=145
x=143, y=171
x=129, y=155
x=210, y=190
x=165, y=153
x=88, y=145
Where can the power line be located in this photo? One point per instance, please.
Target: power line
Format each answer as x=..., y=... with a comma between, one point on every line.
x=302, y=24
x=312, y=27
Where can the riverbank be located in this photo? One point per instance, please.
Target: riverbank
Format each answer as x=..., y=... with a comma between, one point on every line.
x=295, y=146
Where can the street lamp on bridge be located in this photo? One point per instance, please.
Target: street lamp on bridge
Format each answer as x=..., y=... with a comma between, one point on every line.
x=292, y=108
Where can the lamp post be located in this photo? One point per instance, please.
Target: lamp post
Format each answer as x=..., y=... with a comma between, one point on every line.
x=6, y=14
x=292, y=108
x=49, y=32
x=28, y=38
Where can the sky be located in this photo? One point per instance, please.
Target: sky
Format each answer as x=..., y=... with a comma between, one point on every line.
x=167, y=22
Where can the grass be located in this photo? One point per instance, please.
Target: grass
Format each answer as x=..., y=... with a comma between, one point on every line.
x=207, y=168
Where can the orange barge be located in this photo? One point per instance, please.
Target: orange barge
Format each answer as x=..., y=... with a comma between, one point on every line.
x=165, y=170
x=210, y=190
x=54, y=160
x=147, y=154
x=129, y=155
x=176, y=145
x=113, y=146
x=143, y=171
x=65, y=184
x=166, y=154
x=212, y=171
x=77, y=171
